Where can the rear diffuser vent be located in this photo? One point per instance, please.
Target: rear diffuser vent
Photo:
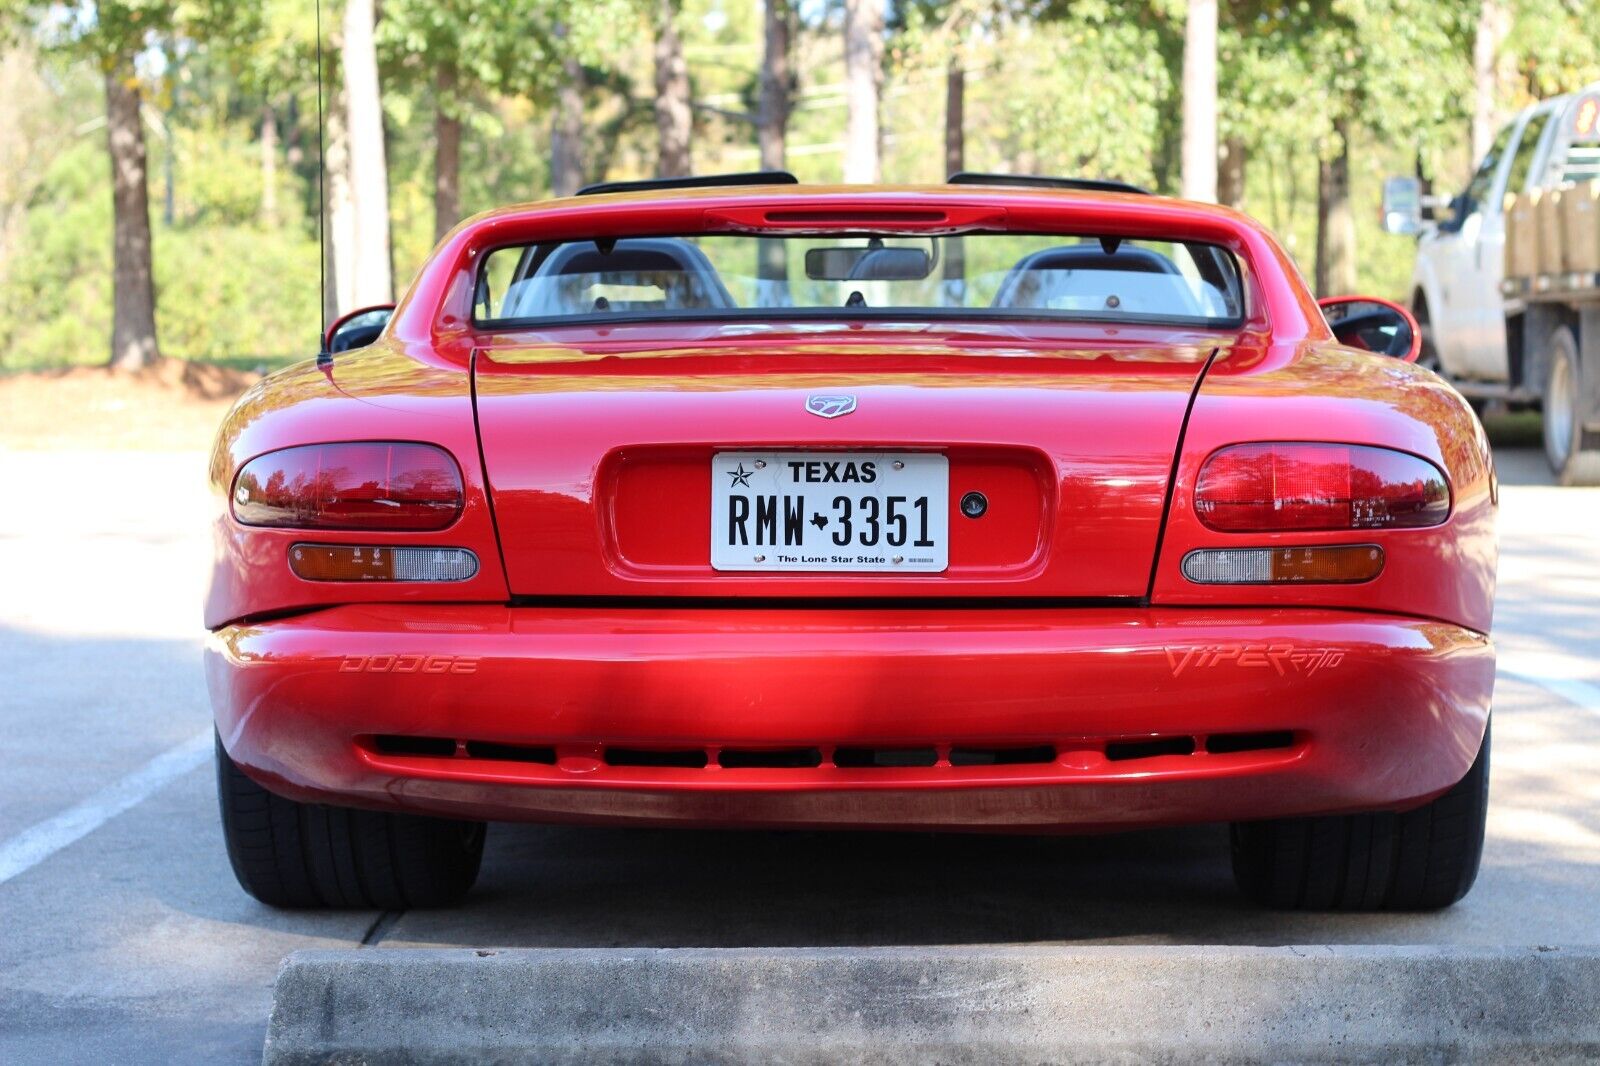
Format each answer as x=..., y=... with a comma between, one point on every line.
x=1042, y=753
x=854, y=758
x=691, y=758
x=487, y=749
x=1119, y=750
x=846, y=758
x=770, y=759
x=390, y=744
x=1228, y=743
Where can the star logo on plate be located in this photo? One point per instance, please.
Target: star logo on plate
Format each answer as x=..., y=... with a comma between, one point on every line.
x=740, y=476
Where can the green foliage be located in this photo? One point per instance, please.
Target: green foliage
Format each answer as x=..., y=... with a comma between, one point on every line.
x=1088, y=87
x=226, y=286
x=1399, y=68
x=112, y=32
x=1102, y=120
x=236, y=291
x=1554, y=46
x=512, y=47
x=55, y=303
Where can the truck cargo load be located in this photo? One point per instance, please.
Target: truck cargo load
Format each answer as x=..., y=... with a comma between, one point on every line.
x=1506, y=284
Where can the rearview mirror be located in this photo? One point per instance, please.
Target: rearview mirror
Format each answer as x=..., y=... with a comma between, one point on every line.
x=356, y=329
x=1373, y=325
x=1402, y=206
x=872, y=263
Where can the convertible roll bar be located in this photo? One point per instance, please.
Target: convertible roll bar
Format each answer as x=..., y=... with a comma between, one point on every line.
x=1040, y=181
x=698, y=181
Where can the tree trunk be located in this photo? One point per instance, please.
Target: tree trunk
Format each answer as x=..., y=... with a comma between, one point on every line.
x=1492, y=26
x=1336, y=224
x=1200, y=101
x=674, y=117
x=169, y=167
x=955, y=159
x=566, y=134
x=1230, y=174
x=955, y=118
x=772, y=135
x=863, y=70
x=339, y=215
x=373, y=280
x=269, y=166
x=777, y=86
x=133, y=314
x=446, y=153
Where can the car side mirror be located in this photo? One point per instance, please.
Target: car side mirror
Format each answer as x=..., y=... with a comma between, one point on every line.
x=1373, y=325
x=1402, y=206
x=356, y=329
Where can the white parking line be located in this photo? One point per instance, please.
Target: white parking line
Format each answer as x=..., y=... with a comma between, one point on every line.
x=37, y=843
x=1553, y=673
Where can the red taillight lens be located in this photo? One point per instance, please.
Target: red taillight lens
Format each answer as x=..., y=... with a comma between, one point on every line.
x=374, y=485
x=1265, y=487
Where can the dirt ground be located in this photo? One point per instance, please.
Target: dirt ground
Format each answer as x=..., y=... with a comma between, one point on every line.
x=173, y=406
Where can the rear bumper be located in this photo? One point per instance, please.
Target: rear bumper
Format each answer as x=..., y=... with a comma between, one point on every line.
x=1100, y=706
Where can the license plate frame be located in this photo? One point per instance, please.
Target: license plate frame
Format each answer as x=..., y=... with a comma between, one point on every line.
x=909, y=486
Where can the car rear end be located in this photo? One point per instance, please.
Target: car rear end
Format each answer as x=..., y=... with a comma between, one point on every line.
x=1069, y=538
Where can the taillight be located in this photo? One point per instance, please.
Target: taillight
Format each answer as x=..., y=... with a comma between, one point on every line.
x=1270, y=487
x=366, y=485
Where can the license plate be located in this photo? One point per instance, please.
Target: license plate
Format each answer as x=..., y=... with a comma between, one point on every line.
x=846, y=511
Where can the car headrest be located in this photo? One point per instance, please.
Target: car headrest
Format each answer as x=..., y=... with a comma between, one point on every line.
x=635, y=257
x=1095, y=257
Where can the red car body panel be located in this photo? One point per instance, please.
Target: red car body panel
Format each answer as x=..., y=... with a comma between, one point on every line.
x=596, y=624
x=1072, y=445
x=1319, y=392
x=1383, y=711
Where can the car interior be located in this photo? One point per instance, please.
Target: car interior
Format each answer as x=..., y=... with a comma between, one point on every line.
x=673, y=274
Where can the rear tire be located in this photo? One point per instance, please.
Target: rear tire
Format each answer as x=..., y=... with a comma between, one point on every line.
x=289, y=854
x=1423, y=859
x=1563, y=415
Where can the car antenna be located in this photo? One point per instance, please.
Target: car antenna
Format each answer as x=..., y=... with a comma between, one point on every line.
x=324, y=356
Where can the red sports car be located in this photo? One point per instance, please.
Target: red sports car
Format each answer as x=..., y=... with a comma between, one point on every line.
x=999, y=505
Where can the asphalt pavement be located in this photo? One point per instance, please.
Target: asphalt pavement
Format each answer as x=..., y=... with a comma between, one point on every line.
x=127, y=940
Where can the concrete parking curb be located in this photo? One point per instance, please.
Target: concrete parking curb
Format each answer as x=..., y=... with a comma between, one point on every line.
x=989, y=1005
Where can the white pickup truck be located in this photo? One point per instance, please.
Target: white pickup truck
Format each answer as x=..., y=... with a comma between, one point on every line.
x=1530, y=336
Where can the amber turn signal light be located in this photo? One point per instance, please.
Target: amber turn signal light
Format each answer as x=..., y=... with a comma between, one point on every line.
x=366, y=562
x=1332, y=564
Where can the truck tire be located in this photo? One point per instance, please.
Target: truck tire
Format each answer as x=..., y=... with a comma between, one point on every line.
x=1423, y=859
x=1427, y=354
x=289, y=854
x=1563, y=414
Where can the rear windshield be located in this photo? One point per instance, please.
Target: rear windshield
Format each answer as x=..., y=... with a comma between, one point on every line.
x=849, y=277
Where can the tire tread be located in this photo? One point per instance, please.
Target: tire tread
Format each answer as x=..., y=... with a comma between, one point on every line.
x=1423, y=859
x=305, y=855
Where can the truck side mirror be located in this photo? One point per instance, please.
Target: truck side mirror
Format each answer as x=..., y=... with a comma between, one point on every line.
x=1374, y=325
x=356, y=329
x=1402, y=206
